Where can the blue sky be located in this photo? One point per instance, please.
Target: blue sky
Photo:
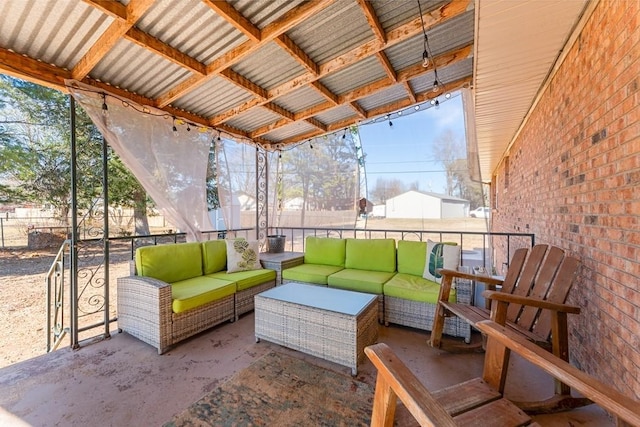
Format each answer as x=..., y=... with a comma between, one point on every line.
x=404, y=151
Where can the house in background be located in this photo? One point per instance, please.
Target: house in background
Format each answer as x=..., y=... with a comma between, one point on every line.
x=418, y=204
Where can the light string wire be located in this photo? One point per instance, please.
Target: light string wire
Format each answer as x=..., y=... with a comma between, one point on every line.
x=276, y=147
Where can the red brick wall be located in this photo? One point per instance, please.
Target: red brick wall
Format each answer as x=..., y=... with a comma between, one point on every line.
x=574, y=181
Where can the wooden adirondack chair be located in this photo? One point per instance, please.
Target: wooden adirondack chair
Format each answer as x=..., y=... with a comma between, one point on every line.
x=480, y=401
x=533, y=292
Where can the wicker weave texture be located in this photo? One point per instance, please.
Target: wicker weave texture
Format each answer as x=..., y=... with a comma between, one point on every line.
x=244, y=298
x=420, y=315
x=332, y=336
x=144, y=310
x=201, y=318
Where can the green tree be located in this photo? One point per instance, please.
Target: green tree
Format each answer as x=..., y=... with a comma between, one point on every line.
x=35, y=154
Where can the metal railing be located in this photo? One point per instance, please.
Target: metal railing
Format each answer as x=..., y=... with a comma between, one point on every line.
x=493, y=248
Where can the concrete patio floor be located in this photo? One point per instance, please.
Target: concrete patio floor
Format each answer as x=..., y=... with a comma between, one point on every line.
x=123, y=381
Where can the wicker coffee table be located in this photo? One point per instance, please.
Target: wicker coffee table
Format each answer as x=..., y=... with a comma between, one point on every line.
x=332, y=324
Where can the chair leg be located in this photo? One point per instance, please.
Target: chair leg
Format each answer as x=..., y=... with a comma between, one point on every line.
x=438, y=326
x=562, y=399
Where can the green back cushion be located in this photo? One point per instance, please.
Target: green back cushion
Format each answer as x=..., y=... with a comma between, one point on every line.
x=411, y=257
x=371, y=254
x=170, y=263
x=214, y=256
x=325, y=251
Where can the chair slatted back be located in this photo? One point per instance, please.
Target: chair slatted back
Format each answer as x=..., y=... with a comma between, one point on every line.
x=545, y=274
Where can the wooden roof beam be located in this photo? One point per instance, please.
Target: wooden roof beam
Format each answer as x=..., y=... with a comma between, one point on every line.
x=235, y=18
x=270, y=32
x=358, y=109
x=395, y=36
x=324, y=91
x=24, y=67
x=244, y=83
x=118, y=28
x=160, y=48
x=112, y=8
x=372, y=19
x=351, y=97
x=298, y=54
x=407, y=88
x=386, y=64
x=316, y=123
x=288, y=115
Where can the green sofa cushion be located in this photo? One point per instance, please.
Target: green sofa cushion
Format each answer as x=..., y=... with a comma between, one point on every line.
x=324, y=250
x=371, y=254
x=214, y=256
x=170, y=263
x=360, y=280
x=310, y=273
x=411, y=257
x=415, y=288
x=192, y=293
x=246, y=279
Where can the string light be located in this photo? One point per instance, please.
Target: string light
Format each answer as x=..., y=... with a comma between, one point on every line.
x=105, y=108
x=425, y=52
x=175, y=129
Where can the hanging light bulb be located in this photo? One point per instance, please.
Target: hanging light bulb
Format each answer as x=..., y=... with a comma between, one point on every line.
x=175, y=129
x=105, y=109
x=417, y=107
x=447, y=95
x=437, y=104
x=436, y=86
x=188, y=128
x=425, y=59
x=390, y=124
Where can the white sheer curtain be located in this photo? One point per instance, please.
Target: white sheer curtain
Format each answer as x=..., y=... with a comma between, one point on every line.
x=236, y=182
x=170, y=165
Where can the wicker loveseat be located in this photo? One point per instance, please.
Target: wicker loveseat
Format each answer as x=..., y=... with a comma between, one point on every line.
x=179, y=290
x=379, y=266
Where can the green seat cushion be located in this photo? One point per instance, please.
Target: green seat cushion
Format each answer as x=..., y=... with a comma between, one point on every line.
x=246, y=279
x=324, y=250
x=360, y=280
x=170, y=263
x=310, y=273
x=411, y=257
x=214, y=256
x=192, y=293
x=371, y=255
x=415, y=288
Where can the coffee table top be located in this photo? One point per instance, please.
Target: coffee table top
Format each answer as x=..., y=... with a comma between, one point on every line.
x=338, y=300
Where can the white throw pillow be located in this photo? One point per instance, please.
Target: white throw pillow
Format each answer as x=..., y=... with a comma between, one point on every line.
x=440, y=255
x=242, y=255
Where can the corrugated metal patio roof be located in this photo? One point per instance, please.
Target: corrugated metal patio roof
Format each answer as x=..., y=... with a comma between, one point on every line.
x=279, y=72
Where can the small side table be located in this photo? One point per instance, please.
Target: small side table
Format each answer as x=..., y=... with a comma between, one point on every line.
x=281, y=261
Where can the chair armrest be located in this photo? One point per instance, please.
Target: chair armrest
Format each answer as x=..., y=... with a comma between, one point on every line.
x=491, y=280
x=395, y=379
x=145, y=309
x=605, y=396
x=534, y=302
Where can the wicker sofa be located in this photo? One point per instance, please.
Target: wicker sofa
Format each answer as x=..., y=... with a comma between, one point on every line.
x=179, y=290
x=380, y=266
